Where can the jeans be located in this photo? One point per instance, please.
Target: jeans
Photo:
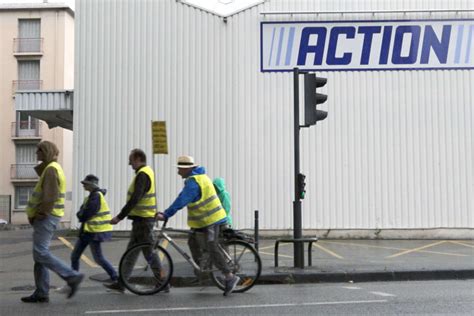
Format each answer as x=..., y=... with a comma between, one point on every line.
x=43, y=231
x=96, y=250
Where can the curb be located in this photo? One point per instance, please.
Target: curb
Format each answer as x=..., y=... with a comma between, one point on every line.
x=297, y=278
x=5, y=227
x=325, y=277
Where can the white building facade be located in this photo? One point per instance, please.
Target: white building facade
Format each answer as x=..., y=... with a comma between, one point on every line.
x=395, y=153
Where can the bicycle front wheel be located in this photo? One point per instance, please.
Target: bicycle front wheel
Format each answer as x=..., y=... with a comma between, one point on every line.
x=244, y=262
x=145, y=269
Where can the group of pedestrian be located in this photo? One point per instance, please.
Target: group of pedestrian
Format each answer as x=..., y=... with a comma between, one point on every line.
x=208, y=207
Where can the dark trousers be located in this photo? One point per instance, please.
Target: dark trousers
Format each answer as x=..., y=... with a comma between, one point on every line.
x=204, y=246
x=142, y=231
x=96, y=250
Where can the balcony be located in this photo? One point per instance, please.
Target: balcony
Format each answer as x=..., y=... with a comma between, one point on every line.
x=28, y=46
x=22, y=85
x=23, y=173
x=26, y=130
x=55, y=107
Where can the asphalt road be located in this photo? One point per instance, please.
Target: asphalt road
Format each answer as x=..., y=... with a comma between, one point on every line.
x=377, y=298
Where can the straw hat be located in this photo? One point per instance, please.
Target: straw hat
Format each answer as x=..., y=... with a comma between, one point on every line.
x=186, y=162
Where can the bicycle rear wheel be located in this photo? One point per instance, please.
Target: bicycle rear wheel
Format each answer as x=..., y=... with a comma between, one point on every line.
x=245, y=263
x=145, y=269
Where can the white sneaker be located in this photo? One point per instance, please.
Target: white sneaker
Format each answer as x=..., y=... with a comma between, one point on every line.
x=63, y=289
x=231, y=284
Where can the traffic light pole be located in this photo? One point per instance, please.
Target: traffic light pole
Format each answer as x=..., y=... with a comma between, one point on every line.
x=297, y=220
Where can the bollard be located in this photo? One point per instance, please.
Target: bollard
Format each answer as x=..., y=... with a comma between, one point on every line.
x=256, y=230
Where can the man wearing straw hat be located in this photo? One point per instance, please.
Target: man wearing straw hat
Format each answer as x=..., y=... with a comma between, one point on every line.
x=205, y=215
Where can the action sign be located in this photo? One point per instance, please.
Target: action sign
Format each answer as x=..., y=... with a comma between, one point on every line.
x=159, y=139
x=367, y=45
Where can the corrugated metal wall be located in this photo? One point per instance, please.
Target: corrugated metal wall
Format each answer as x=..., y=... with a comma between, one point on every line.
x=44, y=100
x=396, y=150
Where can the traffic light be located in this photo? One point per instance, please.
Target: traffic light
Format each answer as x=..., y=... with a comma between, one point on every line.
x=312, y=99
x=301, y=185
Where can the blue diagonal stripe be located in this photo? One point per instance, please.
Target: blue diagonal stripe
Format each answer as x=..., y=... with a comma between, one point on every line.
x=289, y=47
x=469, y=42
x=271, y=48
x=280, y=44
x=457, y=55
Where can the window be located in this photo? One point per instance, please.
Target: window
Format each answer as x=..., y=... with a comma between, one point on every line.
x=29, y=35
x=28, y=75
x=22, y=195
x=26, y=154
x=26, y=122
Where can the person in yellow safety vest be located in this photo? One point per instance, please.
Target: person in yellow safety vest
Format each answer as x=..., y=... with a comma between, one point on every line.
x=141, y=210
x=94, y=214
x=205, y=215
x=44, y=210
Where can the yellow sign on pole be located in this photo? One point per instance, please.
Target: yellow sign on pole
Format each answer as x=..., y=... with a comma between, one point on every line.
x=159, y=139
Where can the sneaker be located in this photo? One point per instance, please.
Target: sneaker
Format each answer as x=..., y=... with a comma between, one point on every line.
x=230, y=285
x=34, y=299
x=73, y=284
x=202, y=277
x=63, y=289
x=116, y=286
x=109, y=280
x=166, y=289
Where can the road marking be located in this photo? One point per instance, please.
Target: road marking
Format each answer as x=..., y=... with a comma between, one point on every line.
x=394, y=248
x=460, y=243
x=352, y=287
x=316, y=245
x=268, y=247
x=329, y=251
x=194, y=308
x=84, y=258
x=272, y=254
x=382, y=294
x=416, y=249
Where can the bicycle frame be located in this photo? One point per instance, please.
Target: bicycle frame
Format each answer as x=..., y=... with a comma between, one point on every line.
x=162, y=234
x=242, y=259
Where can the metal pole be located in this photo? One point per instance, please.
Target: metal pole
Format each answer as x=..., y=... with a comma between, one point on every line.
x=297, y=221
x=256, y=230
x=154, y=164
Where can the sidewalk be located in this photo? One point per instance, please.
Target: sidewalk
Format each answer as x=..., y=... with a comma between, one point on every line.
x=351, y=261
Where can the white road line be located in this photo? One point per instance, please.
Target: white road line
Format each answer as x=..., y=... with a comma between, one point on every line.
x=352, y=287
x=194, y=308
x=382, y=294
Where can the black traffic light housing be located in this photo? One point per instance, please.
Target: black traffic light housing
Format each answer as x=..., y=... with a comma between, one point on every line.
x=301, y=185
x=312, y=99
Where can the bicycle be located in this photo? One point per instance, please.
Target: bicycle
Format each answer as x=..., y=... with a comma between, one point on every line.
x=146, y=275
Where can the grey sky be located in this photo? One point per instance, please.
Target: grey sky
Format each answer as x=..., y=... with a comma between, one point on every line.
x=68, y=2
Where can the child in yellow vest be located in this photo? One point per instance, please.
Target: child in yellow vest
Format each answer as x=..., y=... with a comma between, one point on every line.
x=95, y=217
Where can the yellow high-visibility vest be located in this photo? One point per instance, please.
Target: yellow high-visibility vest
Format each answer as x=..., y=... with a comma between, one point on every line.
x=146, y=207
x=100, y=222
x=35, y=199
x=207, y=210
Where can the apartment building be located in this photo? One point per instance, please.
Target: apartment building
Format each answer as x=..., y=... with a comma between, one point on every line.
x=36, y=55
